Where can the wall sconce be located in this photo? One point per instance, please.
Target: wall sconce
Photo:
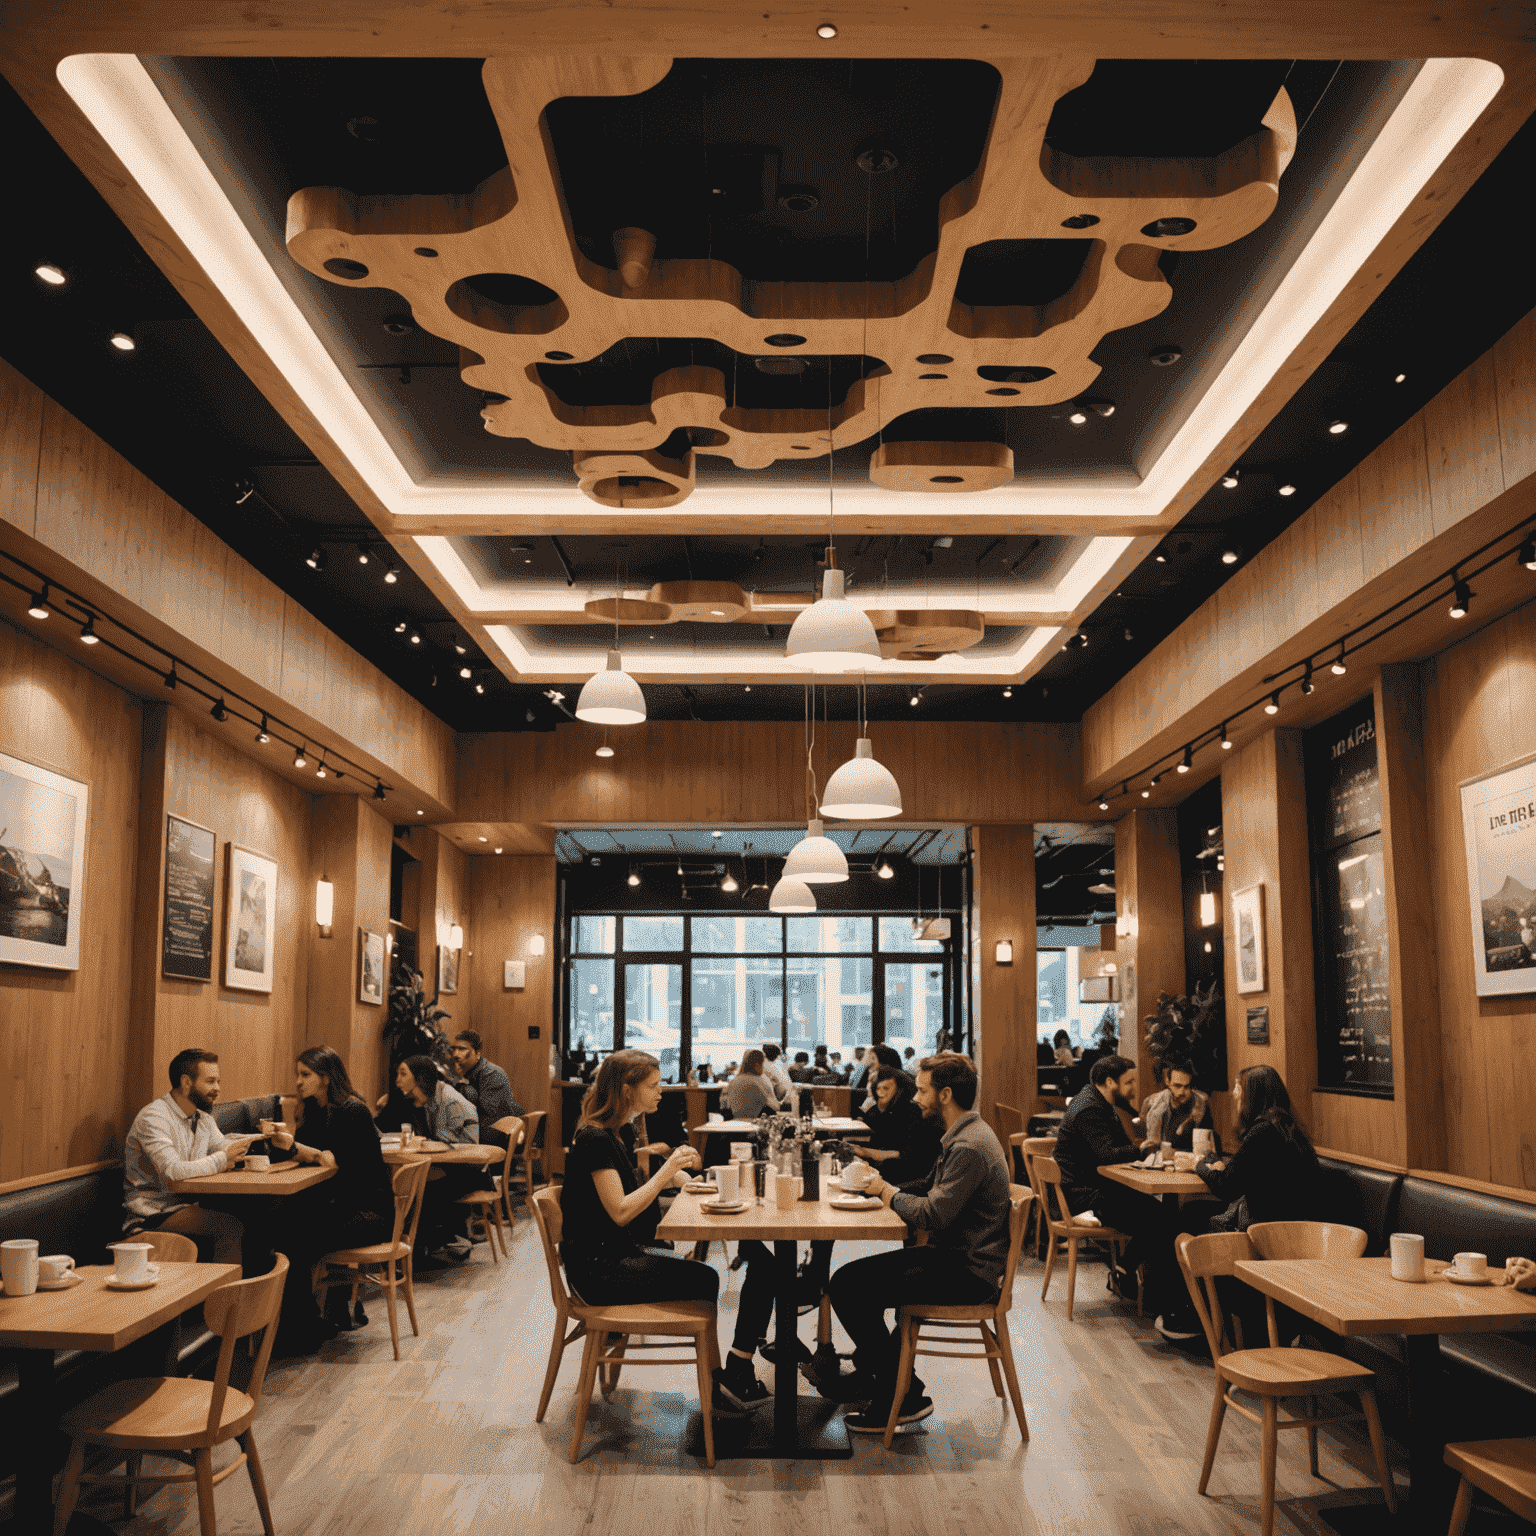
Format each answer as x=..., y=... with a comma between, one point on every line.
x=456, y=937
x=1207, y=910
x=1110, y=968
x=536, y=944
x=325, y=906
x=1005, y=951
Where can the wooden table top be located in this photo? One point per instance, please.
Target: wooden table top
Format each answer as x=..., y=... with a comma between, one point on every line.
x=1154, y=1181
x=436, y=1152
x=1355, y=1296
x=833, y=1125
x=279, y=1179
x=686, y=1222
x=90, y=1316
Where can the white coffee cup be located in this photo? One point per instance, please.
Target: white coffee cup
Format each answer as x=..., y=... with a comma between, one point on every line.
x=1474, y=1266
x=258, y=1164
x=18, y=1266
x=714, y=1117
x=857, y=1175
x=728, y=1177
x=1407, y=1250
x=54, y=1267
x=1203, y=1143
x=742, y=1151
x=783, y=1191
x=132, y=1261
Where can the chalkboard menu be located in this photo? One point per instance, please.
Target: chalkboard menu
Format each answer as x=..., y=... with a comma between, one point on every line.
x=186, y=939
x=1354, y=1007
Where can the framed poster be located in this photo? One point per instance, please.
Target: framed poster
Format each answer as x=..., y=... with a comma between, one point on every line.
x=1498, y=819
x=250, y=919
x=186, y=933
x=42, y=865
x=1248, y=932
x=370, y=966
x=447, y=969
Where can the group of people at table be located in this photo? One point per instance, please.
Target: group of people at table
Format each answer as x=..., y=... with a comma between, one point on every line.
x=176, y=1138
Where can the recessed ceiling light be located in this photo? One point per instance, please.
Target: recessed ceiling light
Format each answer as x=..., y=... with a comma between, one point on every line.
x=1400, y=378
x=1007, y=693
x=465, y=673
x=717, y=613
x=122, y=341
x=421, y=813
x=414, y=637
x=716, y=834
x=480, y=688
x=1231, y=556
x=1338, y=428
x=826, y=31
x=1077, y=418
x=1230, y=479
x=485, y=839
x=392, y=573
x=1287, y=489
x=54, y=276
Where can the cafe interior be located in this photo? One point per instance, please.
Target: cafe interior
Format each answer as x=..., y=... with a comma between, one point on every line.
x=1166, y=706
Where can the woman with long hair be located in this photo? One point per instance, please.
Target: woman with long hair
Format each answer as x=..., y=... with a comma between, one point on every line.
x=609, y=1219
x=1274, y=1173
x=750, y=1092
x=902, y=1144
x=353, y=1207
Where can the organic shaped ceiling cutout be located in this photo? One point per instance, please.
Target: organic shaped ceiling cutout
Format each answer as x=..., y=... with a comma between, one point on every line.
x=934, y=350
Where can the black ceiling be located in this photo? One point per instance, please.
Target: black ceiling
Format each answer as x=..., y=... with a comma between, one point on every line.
x=184, y=414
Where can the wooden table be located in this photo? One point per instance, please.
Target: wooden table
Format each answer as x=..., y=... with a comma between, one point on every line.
x=1163, y=1185
x=279, y=1179
x=438, y=1153
x=836, y=1127
x=797, y=1431
x=92, y=1317
x=1351, y=1297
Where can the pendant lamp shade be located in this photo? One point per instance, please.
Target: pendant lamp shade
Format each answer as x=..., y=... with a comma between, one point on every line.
x=611, y=697
x=816, y=859
x=832, y=635
x=791, y=896
x=862, y=790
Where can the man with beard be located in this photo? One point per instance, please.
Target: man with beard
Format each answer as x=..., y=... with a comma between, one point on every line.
x=176, y=1138
x=1092, y=1137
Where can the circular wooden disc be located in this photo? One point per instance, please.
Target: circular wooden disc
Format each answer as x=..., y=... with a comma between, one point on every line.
x=941, y=466
x=628, y=610
x=926, y=631
x=702, y=602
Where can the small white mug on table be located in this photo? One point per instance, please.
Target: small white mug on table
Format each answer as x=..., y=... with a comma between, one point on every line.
x=18, y=1266
x=726, y=1177
x=132, y=1262
x=1407, y=1250
x=1471, y=1266
x=54, y=1267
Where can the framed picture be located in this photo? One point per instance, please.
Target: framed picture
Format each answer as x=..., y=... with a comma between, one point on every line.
x=1248, y=933
x=250, y=920
x=447, y=969
x=370, y=966
x=42, y=865
x=1498, y=819
x=186, y=932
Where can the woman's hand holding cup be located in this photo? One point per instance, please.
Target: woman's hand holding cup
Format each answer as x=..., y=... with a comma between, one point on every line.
x=281, y=1139
x=680, y=1160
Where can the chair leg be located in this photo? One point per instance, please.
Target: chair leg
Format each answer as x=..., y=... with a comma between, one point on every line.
x=1011, y=1375
x=1050, y=1265
x=1312, y=1435
x=909, y=1329
x=701, y=1351
x=1213, y=1434
x=1461, y=1509
x=501, y=1231
x=611, y=1372
x=989, y=1340
x=408, y=1285
x=1378, y=1446
x=69, y=1489
x=1071, y=1274
x=824, y=1320
x=258, y=1480
x=131, y=1487
x=207, y=1522
x=584, y=1392
x=556, y=1354
x=1269, y=1436
x=713, y=1336
x=389, y=1296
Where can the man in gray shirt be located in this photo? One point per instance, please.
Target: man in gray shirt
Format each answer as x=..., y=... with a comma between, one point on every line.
x=176, y=1138
x=485, y=1085
x=963, y=1205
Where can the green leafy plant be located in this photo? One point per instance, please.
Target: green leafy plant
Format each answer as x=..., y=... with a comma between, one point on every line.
x=414, y=1026
x=1192, y=1029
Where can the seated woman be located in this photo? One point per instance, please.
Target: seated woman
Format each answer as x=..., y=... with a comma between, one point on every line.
x=903, y=1144
x=1274, y=1172
x=354, y=1207
x=446, y=1116
x=1521, y=1273
x=1063, y=1044
x=610, y=1216
x=749, y=1093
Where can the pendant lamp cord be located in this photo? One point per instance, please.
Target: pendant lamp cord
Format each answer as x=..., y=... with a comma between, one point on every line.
x=812, y=794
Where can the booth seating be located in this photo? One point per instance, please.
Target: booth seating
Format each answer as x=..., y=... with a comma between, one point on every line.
x=1490, y=1378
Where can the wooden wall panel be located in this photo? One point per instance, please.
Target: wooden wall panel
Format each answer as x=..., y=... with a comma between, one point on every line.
x=1395, y=514
x=442, y=901
x=1461, y=431
x=1007, y=1001
x=1150, y=950
x=21, y=432
x=1514, y=361
x=64, y=1034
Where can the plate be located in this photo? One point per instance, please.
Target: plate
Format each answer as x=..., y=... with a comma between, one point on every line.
x=856, y=1203
x=74, y=1277
x=717, y=1208
x=114, y=1284
x=1455, y=1279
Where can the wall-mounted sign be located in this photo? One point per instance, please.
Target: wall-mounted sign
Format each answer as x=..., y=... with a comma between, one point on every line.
x=1498, y=817
x=514, y=973
x=1258, y=1026
x=186, y=935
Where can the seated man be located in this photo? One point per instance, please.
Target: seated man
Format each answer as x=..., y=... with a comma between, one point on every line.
x=175, y=1138
x=1092, y=1137
x=776, y=1072
x=861, y=1066
x=963, y=1206
x=485, y=1085
x=1177, y=1110
x=801, y=1071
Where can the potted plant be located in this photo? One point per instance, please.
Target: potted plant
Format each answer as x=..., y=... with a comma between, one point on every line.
x=414, y=1025
x=1192, y=1029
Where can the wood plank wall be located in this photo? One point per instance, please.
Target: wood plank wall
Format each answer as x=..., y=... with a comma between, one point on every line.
x=1007, y=996
x=1149, y=954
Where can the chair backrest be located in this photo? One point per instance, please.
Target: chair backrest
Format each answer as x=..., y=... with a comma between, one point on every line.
x=1047, y=1172
x=1032, y=1147
x=512, y=1128
x=1009, y=1120
x=1307, y=1240
x=1019, y=1198
x=409, y=1182
x=169, y=1247
x=545, y=1204
x=1208, y=1258
x=531, y=1128
x=235, y=1311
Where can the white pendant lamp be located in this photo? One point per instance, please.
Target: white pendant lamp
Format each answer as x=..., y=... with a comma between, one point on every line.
x=862, y=790
x=791, y=896
x=816, y=859
x=833, y=635
x=612, y=696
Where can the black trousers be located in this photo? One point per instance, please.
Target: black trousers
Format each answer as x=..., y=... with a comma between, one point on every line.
x=657, y=1274
x=308, y=1230
x=865, y=1290
x=1152, y=1228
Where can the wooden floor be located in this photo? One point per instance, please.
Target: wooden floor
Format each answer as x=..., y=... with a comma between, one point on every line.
x=444, y=1441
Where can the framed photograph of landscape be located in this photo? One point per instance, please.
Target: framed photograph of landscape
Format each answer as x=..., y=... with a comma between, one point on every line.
x=250, y=919
x=370, y=966
x=447, y=969
x=1498, y=820
x=42, y=865
x=1248, y=937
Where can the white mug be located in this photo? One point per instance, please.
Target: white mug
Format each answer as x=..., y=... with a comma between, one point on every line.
x=18, y=1266
x=727, y=1177
x=54, y=1267
x=1203, y=1144
x=742, y=1151
x=132, y=1261
x=856, y=1175
x=1407, y=1256
x=1473, y=1265
x=258, y=1164
x=783, y=1191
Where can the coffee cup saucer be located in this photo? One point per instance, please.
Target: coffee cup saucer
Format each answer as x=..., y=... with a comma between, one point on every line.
x=74, y=1277
x=723, y=1207
x=114, y=1284
x=1459, y=1279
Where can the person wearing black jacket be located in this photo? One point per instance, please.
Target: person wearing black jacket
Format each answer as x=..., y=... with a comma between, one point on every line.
x=903, y=1143
x=1274, y=1173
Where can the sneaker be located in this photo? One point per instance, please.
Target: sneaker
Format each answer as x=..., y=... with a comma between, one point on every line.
x=1179, y=1326
x=740, y=1390
x=844, y=1387
x=770, y=1353
x=871, y=1421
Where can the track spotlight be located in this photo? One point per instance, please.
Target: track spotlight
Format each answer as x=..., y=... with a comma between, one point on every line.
x=1230, y=479
x=729, y=883
x=1231, y=555
x=414, y=636
x=362, y=554
x=1273, y=707
x=391, y=573
x=218, y=711
x=1399, y=378
x=262, y=736
x=634, y=876
x=1008, y=692
x=244, y=490
x=1080, y=639
x=466, y=673
x=315, y=559
x=480, y=688
x=1307, y=685
x=1188, y=763
x=1527, y=557
x=299, y=760
x=1461, y=599
x=1146, y=794
x=1339, y=668
x=39, y=608
x=1078, y=418
x=170, y=678
x=1103, y=803
x=320, y=771
x=1337, y=428
x=1226, y=741
x=378, y=790
x=913, y=698
x=88, y=635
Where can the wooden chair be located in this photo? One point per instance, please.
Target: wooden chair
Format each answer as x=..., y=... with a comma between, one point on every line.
x=168, y=1247
x=486, y=1205
x=530, y=1155
x=1269, y=1374
x=410, y=1186
x=1010, y=1122
x=989, y=1317
x=180, y=1417
x=1031, y=1147
x=1064, y=1227
x=668, y=1320
x=1503, y=1469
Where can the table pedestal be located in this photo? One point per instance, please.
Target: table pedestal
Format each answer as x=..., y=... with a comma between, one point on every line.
x=34, y=1452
